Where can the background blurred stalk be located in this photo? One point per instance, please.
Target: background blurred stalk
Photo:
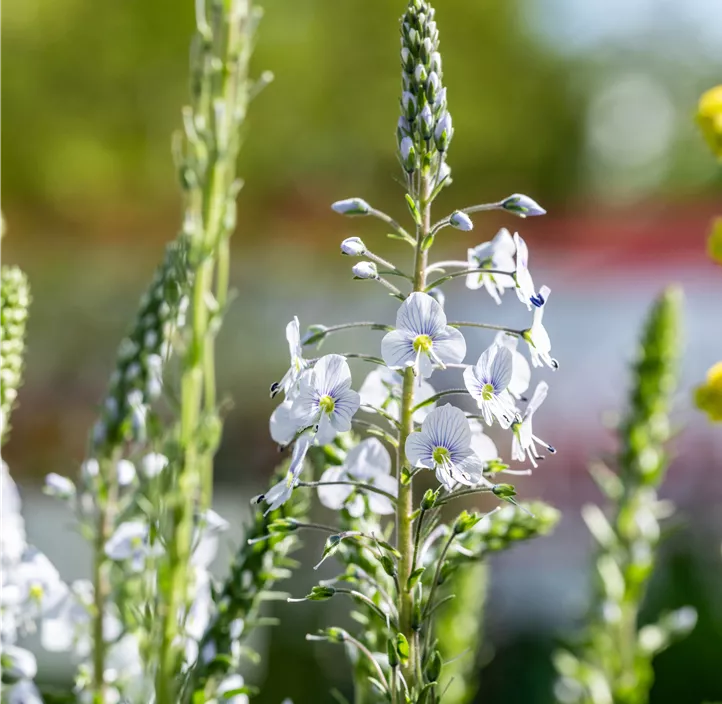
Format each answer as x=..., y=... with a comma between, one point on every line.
x=207, y=157
x=613, y=664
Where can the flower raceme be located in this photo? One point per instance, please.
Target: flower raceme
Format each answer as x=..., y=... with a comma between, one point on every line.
x=422, y=338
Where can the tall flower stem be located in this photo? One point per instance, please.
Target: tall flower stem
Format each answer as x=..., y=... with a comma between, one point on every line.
x=405, y=506
x=220, y=96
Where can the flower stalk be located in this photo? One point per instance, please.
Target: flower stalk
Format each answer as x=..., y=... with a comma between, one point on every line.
x=207, y=156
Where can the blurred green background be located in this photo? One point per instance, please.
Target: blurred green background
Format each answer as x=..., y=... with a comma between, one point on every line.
x=586, y=106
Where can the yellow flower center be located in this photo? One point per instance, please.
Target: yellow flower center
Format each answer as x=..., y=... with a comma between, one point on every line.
x=422, y=343
x=36, y=591
x=487, y=392
x=326, y=404
x=440, y=455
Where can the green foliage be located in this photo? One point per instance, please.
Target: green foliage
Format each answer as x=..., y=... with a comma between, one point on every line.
x=612, y=664
x=259, y=563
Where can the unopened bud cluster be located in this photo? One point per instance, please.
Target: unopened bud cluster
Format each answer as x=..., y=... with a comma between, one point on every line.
x=15, y=299
x=424, y=128
x=138, y=377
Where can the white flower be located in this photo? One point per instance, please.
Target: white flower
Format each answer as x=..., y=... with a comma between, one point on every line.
x=90, y=469
x=523, y=443
x=153, y=464
x=538, y=338
x=325, y=399
x=461, y=221
x=12, y=525
x=351, y=206
x=353, y=247
x=524, y=284
x=520, y=370
x=18, y=663
x=488, y=383
x=444, y=445
x=482, y=445
x=422, y=338
x=498, y=255
x=24, y=692
x=40, y=588
x=62, y=487
x=129, y=543
x=289, y=383
x=382, y=389
x=126, y=472
x=232, y=683
x=365, y=270
x=281, y=492
x=282, y=426
x=522, y=205
x=368, y=462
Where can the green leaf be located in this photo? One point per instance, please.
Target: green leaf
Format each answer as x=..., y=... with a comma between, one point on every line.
x=414, y=577
x=413, y=209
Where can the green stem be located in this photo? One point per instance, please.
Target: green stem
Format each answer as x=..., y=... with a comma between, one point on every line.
x=485, y=326
x=405, y=506
x=466, y=272
x=107, y=497
x=358, y=485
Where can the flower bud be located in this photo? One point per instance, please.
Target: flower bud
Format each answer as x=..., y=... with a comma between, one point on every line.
x=461, y=221
x=433, y=85
x=465, y=521
x=402, y=648
x=321, y=593
x=408, y=154
x=426, y=49
x=403, y=129
x=351, y=206
x=522, y=205
x=504, y=491
x=407, y=59
x=283, y=525
x=444, y=132
x=408, y=102
x=426, y=122
x=18, y=663
x=433, y=667
x=420, y=74
x=365, y=270
x=388, y=564
x=430, y=497
x=435, y=62
x=125, y=470
x=353, y=247
x=58, y=486
x=391, y=653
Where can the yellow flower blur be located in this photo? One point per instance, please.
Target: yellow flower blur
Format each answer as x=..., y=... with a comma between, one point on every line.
x=709, y=118
x=708, y=396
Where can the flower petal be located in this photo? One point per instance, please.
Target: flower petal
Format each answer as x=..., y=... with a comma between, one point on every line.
x=397, y=349
x=334, y=497
x=282, y=426
x=450, y=346
x=368, y=459
x=448, y=427
x=346, y=405
x=419, y=450
x=331, y=374
x=420, y=314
